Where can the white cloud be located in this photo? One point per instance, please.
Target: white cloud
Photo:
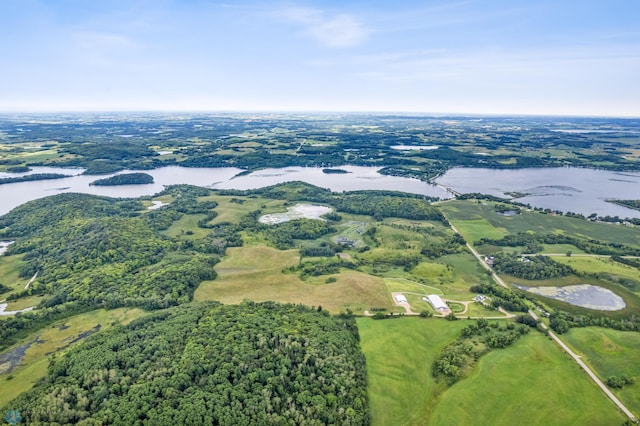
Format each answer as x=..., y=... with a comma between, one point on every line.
x=341, y=30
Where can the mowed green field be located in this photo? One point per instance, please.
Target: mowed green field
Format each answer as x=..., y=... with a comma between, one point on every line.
x=9, y=273
x=255, y=273
x=476, y=220
x=611, y=353
x=56, y=338
x=530, y=383
x=399, y=356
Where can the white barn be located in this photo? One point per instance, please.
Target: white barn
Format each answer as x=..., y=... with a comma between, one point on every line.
x=437, y=303
x=400, y=298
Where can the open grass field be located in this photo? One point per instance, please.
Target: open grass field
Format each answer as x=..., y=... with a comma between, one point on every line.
x=532, y=382
x=476, y=310
x=404, y=285
x=476, y=220
x=255, y=273
x=352, y=230
x=232, y=211
x=601, y=265
x=9, y=270
x=56, y=339
x=610, y=353
x=399, y=356
x=187, y=227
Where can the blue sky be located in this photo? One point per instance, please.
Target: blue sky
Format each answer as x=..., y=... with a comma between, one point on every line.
x=575, y=57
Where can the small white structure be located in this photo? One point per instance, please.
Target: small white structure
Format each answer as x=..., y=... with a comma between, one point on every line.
x=400, y=298
x=437, y=303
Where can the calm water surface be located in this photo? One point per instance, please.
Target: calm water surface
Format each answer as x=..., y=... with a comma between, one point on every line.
x=561, y=188
x=358, y=178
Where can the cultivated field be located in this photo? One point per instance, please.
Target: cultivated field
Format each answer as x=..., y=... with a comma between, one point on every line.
x=477, y=220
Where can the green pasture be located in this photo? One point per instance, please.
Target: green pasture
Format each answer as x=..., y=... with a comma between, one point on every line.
x=399, y=355
x=532, y=382
x=600, y=265
x=9, y=273
x=404, y=285
x=187, y=227
x=610, y=353
x=55, y=339
x=476, y=310
x=232, y=211
x=476, y=220
x=256, y=273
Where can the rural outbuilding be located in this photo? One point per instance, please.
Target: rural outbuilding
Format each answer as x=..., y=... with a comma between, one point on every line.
x=400, y=298
x=437, y=303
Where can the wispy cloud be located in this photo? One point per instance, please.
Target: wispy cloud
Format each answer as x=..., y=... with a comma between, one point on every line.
x=341, y=30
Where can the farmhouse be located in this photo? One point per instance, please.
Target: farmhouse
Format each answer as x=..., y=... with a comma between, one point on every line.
x=437, y=303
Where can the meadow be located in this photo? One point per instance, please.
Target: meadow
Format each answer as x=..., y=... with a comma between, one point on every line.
x=399, y=356
x=256, y=273
x=526, y=383
x=610, y=353
x=476, y=220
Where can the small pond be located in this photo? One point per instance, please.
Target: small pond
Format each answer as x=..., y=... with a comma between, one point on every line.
x=299, y=211
x=583, y=295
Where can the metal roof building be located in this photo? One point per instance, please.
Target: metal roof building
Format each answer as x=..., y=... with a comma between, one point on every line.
x=437, y=303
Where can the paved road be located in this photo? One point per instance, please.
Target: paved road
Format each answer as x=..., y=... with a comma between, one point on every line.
x=556, y=339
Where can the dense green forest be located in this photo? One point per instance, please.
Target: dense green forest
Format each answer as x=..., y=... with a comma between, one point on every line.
x=92, y=252
x=210, y=364
x=530, y=268
x=35, y=176
x=124, y=179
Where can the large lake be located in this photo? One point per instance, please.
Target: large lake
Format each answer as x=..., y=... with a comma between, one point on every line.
x=566, y=189
x=358, y=178
x=562, y=188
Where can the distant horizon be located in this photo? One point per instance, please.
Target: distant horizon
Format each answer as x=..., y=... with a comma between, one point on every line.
x=472, y=57
x=311, y=112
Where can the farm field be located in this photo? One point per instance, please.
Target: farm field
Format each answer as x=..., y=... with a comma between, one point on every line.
x=255, y=273
x=399, y=355
x=54, y=339
x=608, y=268
x=477, y=220
x=526, y=383
x=610, y=353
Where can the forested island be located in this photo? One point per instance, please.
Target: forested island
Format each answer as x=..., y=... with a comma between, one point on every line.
x=124, y=179
x=32, y=177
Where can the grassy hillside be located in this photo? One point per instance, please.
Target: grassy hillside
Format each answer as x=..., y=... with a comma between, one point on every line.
x=534, y=383
x=399, y=356
x=611, y=353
